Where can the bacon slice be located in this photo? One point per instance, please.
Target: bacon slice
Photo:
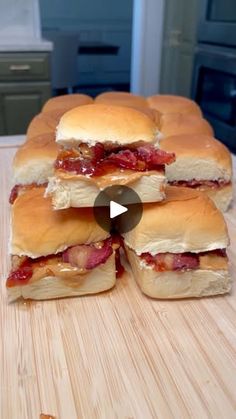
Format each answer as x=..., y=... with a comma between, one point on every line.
x=214, y=184
x=88, y=256
x=14, y=194
x=154, y=156
x=98, y=161
x=178, y=261
x=85, y=257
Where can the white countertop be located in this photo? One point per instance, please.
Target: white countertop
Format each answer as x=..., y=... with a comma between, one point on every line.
x=11, y=140
x=14, y=45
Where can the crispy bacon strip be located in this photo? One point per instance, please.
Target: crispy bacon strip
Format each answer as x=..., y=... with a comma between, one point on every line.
x=98, y=161
x=82, y=256
x=177, y=261
x=214, y=184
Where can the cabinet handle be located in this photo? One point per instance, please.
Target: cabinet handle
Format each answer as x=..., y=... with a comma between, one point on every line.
x=20, y=67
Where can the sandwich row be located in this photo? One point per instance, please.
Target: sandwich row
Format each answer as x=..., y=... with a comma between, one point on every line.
x=177, y=250
x=97, y=146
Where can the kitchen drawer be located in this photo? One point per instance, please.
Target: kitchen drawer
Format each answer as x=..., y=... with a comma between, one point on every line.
x=24, y=66
x=19, y=103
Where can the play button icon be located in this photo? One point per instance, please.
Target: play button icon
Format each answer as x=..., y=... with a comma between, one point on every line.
x=118, y=208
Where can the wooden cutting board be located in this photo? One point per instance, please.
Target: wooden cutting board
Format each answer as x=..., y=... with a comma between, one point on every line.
x=116, y=355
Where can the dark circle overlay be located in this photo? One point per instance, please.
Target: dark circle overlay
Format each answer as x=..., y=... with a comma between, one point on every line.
x=121, y=195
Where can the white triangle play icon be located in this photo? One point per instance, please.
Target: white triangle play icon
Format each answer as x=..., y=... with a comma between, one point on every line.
x=116, y=209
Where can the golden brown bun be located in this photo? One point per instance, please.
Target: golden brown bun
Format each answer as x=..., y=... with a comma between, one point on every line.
x=38, y=230
x=176, y=124
x=151, y=113
x=132, y=101
x=199, y=157
x=44, y=123
x=122, y=99
x=173, y=284
x=187, y=221
x=67, y=102
x=68, y=190
x=106, y=124
x=33, y=162
x=99, y=279
x=174, y=104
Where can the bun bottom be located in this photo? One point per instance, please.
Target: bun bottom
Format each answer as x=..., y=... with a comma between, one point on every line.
x=97, y=280
x=172, y=284
x=222, y=197
x=68, y=193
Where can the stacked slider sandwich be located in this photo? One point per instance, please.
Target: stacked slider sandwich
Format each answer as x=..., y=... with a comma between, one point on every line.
x=65, y=253
x=105, y=145
x=178, y=248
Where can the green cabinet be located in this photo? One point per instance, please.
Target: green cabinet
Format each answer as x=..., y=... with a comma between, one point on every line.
x=24, y=88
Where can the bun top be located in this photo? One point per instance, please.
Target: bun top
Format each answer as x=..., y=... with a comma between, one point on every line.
x=40, y=147
x=198, y=146
x=187, y=221
x=105, y=124
x=177, y=123
x=38, y=230
x=122, y=99
x=173, y=104
x=44, y=123
x=66, y=102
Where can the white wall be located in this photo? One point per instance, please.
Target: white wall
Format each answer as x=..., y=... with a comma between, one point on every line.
x=148, y=17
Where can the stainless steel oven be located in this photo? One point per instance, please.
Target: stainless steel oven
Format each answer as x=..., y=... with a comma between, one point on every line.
x=217, y=24
x=214, y=88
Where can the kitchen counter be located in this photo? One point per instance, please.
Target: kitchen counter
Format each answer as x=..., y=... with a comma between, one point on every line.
x=9, y=45
x=119, y=354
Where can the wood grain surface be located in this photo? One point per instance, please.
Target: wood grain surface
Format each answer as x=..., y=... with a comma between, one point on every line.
x=118, y=354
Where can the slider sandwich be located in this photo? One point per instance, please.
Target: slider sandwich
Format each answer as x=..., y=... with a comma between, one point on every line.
x=103, y=146
x=173, y=104
x=67, y=102
x=57, y=253
x=176, y=123
x=178, y=249
x=202, y=163
x=33, y=163
x=44, y=123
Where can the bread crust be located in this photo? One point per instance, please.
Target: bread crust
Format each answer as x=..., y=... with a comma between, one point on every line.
x=66, y=102
x=44, y=123
x=33, y=161
x=38, y=230
x=177, y=123
x=174, y=104
x=106, y=124
x=122, y=99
